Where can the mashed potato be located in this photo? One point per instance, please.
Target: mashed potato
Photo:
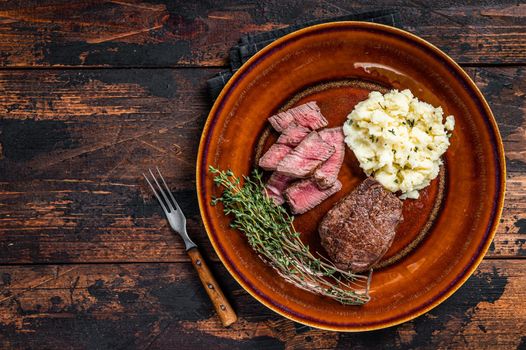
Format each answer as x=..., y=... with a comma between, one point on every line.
x=398, y=140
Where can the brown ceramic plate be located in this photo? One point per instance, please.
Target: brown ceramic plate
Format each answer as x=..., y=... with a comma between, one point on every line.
x=445, y=233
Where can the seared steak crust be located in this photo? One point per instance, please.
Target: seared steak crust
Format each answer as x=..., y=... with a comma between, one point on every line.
x=359, y=229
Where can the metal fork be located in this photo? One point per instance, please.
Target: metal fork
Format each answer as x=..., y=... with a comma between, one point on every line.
x=177, y=221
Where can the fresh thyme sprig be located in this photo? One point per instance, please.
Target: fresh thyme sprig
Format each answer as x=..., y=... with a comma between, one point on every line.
x=270, y=232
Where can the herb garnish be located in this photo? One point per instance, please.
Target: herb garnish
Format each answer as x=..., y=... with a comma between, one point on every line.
x=270, y=232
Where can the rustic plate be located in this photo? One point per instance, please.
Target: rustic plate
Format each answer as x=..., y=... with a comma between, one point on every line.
x=445, y=233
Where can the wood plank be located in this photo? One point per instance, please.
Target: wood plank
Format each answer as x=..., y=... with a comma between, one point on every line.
x=75, y=143
x=138, y=306
x=504, y=89
x=172, y=33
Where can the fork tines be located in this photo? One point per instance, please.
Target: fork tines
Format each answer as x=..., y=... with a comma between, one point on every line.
x=167, y=205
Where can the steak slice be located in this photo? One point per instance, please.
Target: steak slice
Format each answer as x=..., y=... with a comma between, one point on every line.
x=274, y=155
x=304, y=195
x=276, y=185
x=327, y=174
x=303, y=160
x=293, y=135
x=359, y=229
x=307, y=115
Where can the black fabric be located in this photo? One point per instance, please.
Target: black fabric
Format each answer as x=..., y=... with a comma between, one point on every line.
x=249, y=44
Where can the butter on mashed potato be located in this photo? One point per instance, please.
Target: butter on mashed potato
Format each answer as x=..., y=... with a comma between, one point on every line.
x=398, y=140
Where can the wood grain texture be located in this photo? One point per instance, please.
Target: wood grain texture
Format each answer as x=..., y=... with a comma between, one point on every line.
x=223, y=308
x=504, y=89
x=172, y=33
x=75, y=143
x=71, y=140
x=139, y=306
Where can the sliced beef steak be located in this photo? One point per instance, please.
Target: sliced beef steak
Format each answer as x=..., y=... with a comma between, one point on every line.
x=303, y=160
x=276, y=185
x=360, y=228
x=304, y=195
x=307, y=115
x=293, y=135
x=327, y=173
x=271, y=159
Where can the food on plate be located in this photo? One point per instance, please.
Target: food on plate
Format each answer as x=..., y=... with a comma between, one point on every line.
x=398, y=140
x=271, y=159
x=360, y=228
x=301, y=153
x=293, y=135
x=305, y=194
x=307, y=115
x=303, y=160
x=276, y=186
x=327, y=174
x=269, y=231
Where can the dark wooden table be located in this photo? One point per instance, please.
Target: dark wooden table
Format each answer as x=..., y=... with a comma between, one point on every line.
x=95, y=92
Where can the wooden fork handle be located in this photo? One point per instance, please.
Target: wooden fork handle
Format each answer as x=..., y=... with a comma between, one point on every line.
x=221, y=304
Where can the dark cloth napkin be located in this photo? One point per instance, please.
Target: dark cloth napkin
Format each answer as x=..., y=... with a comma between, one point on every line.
x=249, y=44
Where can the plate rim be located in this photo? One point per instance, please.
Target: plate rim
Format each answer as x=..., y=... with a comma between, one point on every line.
x=491, y=227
